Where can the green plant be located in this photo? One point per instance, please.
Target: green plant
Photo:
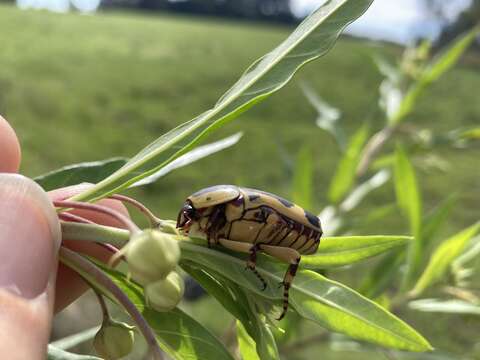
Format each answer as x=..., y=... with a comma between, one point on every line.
x=314, y=297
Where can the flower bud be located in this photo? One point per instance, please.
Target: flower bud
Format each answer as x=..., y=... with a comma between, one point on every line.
x=164, y=295
x=151, y=255
x=170, y=227
x=114, y=340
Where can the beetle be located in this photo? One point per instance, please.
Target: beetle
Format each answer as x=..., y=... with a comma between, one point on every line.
x=248, y=220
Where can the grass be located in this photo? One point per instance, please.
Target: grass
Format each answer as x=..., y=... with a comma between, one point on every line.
x=82, y=88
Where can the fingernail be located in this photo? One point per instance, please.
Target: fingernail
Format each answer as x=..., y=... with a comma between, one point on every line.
x=29, y=236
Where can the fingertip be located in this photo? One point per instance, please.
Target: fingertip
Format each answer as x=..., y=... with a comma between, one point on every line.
x=10, y=153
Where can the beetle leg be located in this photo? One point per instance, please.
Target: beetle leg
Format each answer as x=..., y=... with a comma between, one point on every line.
x=248, y=248
x=215, y=222
x=290, y=256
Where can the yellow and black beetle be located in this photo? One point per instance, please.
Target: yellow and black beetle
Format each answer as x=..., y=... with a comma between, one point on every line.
x=248, y=220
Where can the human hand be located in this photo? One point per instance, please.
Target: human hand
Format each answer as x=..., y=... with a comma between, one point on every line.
x=30, y=287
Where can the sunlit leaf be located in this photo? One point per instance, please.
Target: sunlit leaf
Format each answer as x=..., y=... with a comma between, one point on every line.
x=344, y=176
x=190, y=157
x=313, y=38
x=314, y=297
x=302, y=193
x=246, y=344
x=410, y=202
x=470, y=254
x=345, y=250
x=91, y=172
x=443, y=257
x=445, y=306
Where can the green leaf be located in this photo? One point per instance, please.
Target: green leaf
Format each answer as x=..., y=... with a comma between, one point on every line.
x=383, y=274
x=345, y=250
x=314, y=297
x=445, y=306
x=410, y=202
x=178, y=334
x=407, y=192
x=313, y=38
x=91, y=172
x=190, y=157
x=344, y=176
x=434, y=221
x=341, y=309
x=303, y=179
x=443, y=256
x=246, y=344
x=441, y=64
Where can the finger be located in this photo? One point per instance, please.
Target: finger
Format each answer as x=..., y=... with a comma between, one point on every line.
x=69, y=284
x=29, y=238
x=9, y=148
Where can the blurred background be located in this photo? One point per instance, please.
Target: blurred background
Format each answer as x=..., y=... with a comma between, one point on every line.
x=85, y=80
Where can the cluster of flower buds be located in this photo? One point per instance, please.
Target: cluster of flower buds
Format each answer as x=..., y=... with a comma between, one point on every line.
x=152, y=257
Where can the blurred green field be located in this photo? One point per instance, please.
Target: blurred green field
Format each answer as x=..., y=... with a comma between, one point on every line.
x=83, y=88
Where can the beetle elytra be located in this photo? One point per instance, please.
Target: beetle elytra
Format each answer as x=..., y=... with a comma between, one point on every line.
x=247, y=220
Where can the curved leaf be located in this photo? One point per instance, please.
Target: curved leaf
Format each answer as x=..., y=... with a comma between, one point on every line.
x=443, y=257
x=345, y=250
x=311, y=39
x=344, y=176
x=303, y=178
x=341, y=309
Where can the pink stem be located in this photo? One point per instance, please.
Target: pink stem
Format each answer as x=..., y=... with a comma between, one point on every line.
x=154, y=221
x=100, y=209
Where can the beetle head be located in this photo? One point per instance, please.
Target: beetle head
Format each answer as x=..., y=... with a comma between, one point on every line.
x=186, y=216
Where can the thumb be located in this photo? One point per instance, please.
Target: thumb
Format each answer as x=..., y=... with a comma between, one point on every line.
x=29, y=242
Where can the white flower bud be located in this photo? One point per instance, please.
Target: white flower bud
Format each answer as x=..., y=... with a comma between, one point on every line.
x=164, y=295
x=151, y=256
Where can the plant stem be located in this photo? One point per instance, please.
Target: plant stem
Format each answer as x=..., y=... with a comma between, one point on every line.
x=95, y=276
x=100, y=209
x=154, y=221
x=95, y=233
x=72, y=217
x=373, y=147
x=103, y=305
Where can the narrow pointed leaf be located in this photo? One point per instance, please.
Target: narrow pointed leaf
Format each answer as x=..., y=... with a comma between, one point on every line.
x=341, y=309
x=443, y=257
x=190, y=157
x=91, y=172
x=410, y=202
x=303, y=179
x=313, y=38
x=434, y=221
x=445, y=306
x=344, y=176
x=246, y=344
x=345, y=250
